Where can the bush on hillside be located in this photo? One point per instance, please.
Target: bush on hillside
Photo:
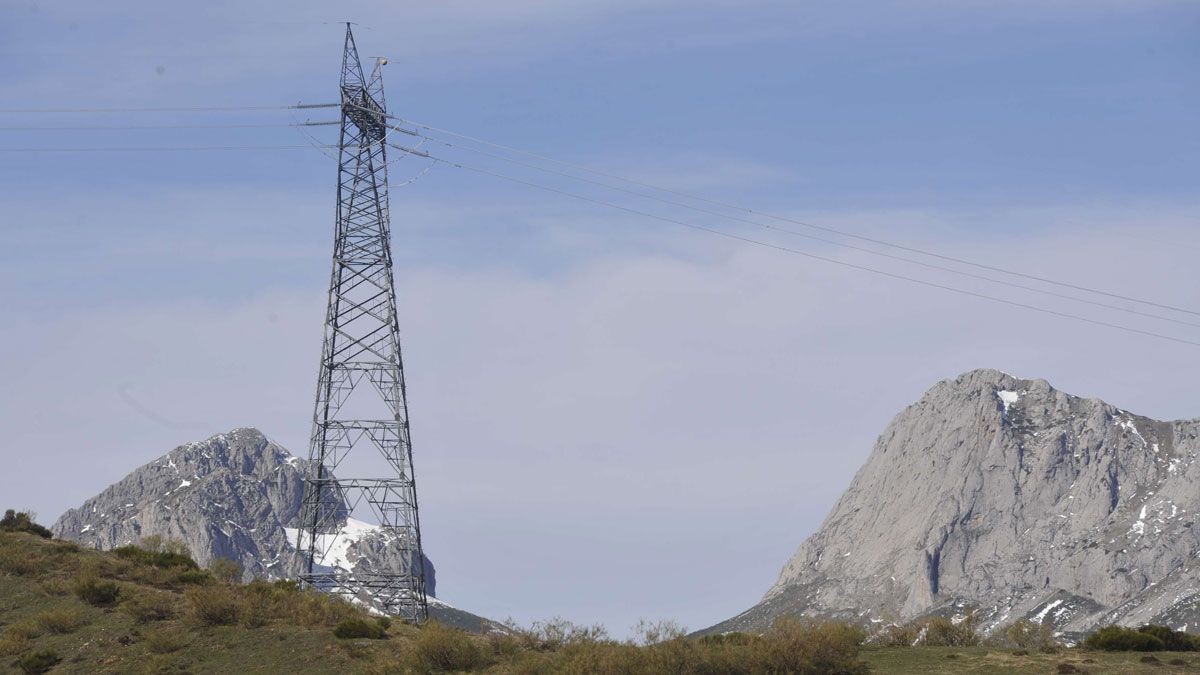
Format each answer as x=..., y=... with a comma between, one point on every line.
x=148, y=606
x=558, y=633
x=226, y=570
x=160, y=559
x=194, y=577
x=1121, y=639
x=94, y=591
x=943, y=632
x=898, y=635
x=735, y=638
x=38, y=662
x=1025, y=634
x=351, y=629
x=22, y=521
x=167, y=640
x=808, y=647
x=61, y=621
x=1173, y=640
x=654, y=632
x=214, y=606
x=12, y=644
x=440, y=648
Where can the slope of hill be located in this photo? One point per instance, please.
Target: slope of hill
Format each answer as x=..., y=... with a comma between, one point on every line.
x=237, y=496
x=1014, y=498
x=68, y=609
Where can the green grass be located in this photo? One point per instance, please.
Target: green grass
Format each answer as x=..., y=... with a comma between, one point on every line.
x=172, y=618
x=107, y=639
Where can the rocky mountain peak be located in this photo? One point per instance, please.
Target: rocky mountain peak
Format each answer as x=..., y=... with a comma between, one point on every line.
x=235, y=495
x=1011, y=496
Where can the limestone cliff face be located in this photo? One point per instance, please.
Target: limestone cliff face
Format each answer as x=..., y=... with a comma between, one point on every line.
x=1015, y=498
x=235, y=495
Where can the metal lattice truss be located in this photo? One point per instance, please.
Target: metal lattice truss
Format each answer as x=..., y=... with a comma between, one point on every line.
x=360, y=391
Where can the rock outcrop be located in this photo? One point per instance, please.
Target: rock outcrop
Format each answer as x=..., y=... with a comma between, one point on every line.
x=236, y=495
x=1013, y=498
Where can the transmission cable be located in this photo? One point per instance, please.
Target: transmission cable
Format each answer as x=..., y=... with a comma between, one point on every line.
x=728, y=205
x=922, y=263
x=297, y=106
x=166, y=148
x=151, y=127
x=795, y=251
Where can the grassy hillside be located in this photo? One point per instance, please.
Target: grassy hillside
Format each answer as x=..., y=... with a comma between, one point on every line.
x=72, y=610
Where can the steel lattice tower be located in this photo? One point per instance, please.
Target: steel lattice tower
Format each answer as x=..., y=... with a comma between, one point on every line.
x=360, y=359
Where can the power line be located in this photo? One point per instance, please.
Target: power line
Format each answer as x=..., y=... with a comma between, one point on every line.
x=728, y=205
x=133, y=127
x=718, y=214
x=168, y=148
x=814, y=256
x=298, y=106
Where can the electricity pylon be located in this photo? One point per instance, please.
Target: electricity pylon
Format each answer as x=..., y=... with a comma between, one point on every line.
x=361, y=399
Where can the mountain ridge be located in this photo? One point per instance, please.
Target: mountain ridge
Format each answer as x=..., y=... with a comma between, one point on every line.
x=1010, y=496
x=234, y=495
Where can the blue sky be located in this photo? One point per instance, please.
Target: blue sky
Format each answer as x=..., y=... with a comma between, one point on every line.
x=615, y=418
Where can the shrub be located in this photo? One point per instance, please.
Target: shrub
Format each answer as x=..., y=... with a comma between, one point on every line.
x=1173, y=640
x=942, y=632
x=54, y=586
x=149, y=606
x=314, y=608
x=558, y=633
x=14, y=521
x=1026, y=634
x=360, y=628
x=12, y=644
x=225, y=570
x=441, y=648
x=803, y=647
x=256, y=608
x=216, y=606
x=734, y=638
x=166, y=640
x=25, y=630
x=158, y=558
x=1120, y=639
x=96, y=592
x=196, y=577
x=899, y=635
x=61, y=621
x=38, y=662
x=654, y=632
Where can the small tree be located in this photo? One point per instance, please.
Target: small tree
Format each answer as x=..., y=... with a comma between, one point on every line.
x=1026, y=634
x=22, y=521
x=654, y=632
x=226, y=570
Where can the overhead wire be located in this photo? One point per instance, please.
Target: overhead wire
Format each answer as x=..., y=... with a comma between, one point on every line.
x=840, y=232
x=768, y=226
x=800, y=252
x=434, y=159
x=296, y=106
x=164, y=148
x=151, y=127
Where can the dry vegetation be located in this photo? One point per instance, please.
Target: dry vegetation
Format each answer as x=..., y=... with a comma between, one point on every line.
x=151, y=609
